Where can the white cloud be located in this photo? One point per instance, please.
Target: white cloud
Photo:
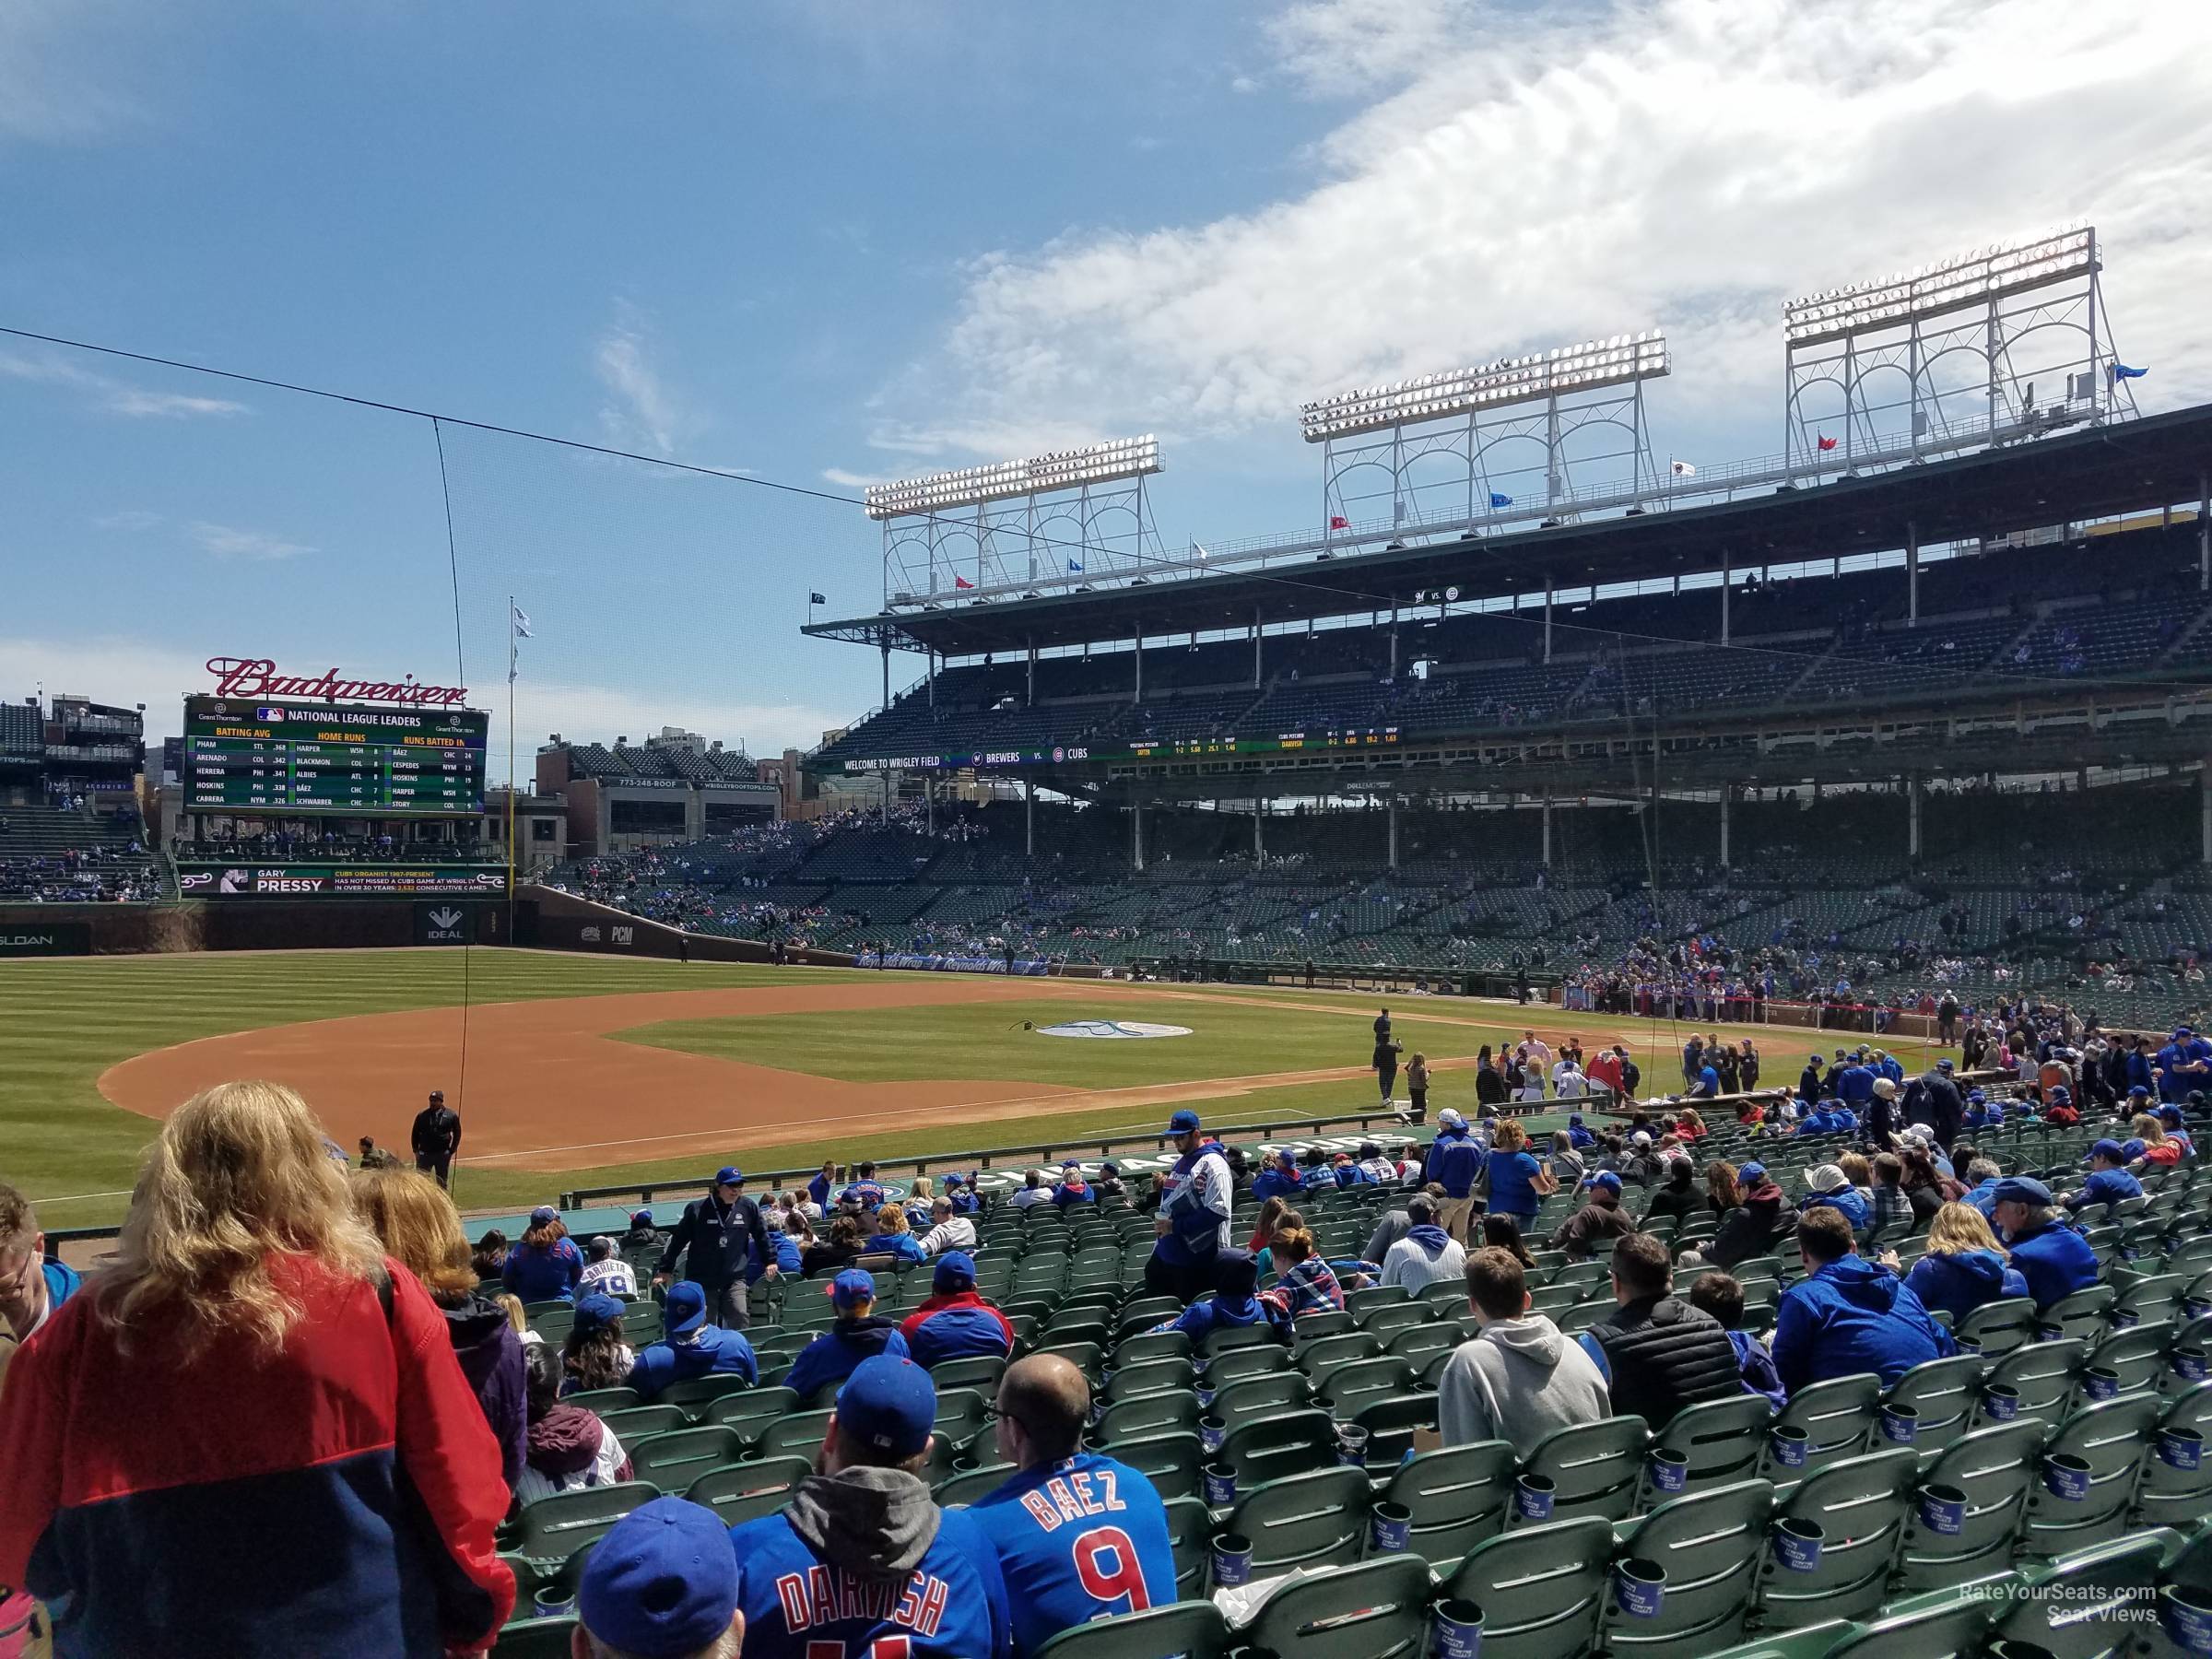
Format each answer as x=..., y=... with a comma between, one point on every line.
x=647, y=415
x=131, y=400
x=1516, y=183
x=226, y=541
x=132, y=518
x=107, y=393
x=58, y=68
x=851, y=480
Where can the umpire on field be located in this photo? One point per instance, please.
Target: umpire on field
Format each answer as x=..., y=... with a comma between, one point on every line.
x=725, y=1246
x=436, y=1137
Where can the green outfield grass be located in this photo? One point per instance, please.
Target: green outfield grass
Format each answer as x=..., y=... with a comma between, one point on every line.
x=63, y=1022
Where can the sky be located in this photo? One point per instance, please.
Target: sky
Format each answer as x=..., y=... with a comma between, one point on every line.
x=811, y=246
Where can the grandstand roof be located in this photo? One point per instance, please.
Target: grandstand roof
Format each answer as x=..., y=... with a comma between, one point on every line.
x=2083, y=475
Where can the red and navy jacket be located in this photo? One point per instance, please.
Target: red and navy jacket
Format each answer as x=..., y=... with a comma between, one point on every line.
x=960, y=1327
x=337, y=1497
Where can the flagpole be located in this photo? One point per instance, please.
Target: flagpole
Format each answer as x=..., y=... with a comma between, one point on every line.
x=514, y=654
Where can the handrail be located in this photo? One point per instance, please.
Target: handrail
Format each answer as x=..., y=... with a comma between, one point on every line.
x=575, y=1197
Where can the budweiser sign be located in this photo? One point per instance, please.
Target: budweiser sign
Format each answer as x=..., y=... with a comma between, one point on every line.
x=257, y=677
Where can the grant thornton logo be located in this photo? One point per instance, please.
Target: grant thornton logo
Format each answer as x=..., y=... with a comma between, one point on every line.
x=1112, y=1029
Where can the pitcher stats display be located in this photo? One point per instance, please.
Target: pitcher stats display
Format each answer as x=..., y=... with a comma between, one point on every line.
x=331, y=758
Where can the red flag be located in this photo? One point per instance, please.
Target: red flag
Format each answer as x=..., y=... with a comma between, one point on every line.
x=1338, y=521
x=1827, y=442
x=961, y=581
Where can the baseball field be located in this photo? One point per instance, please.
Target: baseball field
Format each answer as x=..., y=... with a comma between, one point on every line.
x=577, y=1071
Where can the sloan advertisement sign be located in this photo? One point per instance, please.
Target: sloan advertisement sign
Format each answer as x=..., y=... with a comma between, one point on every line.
x=45, y=938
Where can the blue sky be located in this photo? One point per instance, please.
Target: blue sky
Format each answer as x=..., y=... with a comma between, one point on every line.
x=836, y=242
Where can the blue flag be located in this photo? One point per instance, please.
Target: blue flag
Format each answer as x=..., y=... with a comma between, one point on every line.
x=1501, y=501
x=2122, y=371
x=1075, y=564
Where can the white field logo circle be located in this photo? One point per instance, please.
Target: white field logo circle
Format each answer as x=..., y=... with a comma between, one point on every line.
x=1112, y=1029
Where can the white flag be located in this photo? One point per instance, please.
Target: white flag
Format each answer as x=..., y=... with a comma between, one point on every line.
x=1683, y=469
x=521, y=624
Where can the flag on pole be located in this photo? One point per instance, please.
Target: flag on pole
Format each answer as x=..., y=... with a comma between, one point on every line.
x=1338, y=521
x=2122, y=371
x=1827, y=442
x=816, y=599
x=1397, y=512
x=1497, y=500
x=518, y=629
x=962, y=582
x=1683, y=469
x=1076, y=565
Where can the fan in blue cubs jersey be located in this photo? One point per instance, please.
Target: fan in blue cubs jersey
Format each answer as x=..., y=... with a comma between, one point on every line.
x=1079, y=1536
x=862, y=1563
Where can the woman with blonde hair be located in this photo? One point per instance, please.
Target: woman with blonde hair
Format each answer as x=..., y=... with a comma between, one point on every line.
x=1964, y=1267
x=250, y=1436
x=415, y=1220
x=1517, y=1181
x=2161, y=1150
x=895, y=1236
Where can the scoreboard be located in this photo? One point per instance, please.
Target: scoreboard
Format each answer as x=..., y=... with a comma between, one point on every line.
x=244, y=756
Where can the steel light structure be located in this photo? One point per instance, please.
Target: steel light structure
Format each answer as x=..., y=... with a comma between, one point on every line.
x=1971, y=279
x=1002, y=480
x=979, y=533
x=1469, y=449
x=1994, y=346
x=1593, y=364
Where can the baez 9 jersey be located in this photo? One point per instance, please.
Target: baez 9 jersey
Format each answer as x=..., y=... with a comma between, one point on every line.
x=1080, y=1539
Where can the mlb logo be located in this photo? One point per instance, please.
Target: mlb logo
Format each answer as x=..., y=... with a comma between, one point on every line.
x=268, y=714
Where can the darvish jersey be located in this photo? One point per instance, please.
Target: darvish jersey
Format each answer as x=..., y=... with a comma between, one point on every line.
x=798, y=1607
x=1084, y=1538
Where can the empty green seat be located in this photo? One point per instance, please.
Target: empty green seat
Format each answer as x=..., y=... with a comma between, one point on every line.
x=1304, y=1521
x=1595, y=1468
x=674, y=1460
x=1194, y=1629
x=2109, y=1437
x=741, y=1492
x=1457, y=1497
x=1376, y=1610
x=1860, y=1504
x=1710, y=1544
x=1539, y=1588
x=554, y=1527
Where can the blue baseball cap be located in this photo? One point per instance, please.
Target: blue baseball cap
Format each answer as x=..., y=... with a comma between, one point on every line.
x=2132, y=1150
x=887, y=1404
x=2105, y=1149
x=1752, y=1171
x=593, y=1311
x=1183, y=1122
x=1606, y=1179
x=1944, y=1066
x=685, y=1311
x=662, y=1583
x=1976, y=1097
x=728, y=1175
x=640, y=1217
x=2170, y=1115
x=2021, y=1189
x=543, y=1213
x=1071, y=1163
x=955, y=1271
x=851, y=1288
x=2138, y=1093
x=2060, y=1095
